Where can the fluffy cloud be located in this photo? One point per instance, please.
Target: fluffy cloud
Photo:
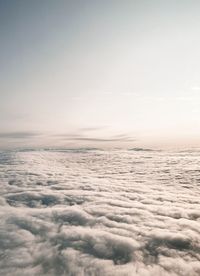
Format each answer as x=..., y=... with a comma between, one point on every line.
x=99, y=213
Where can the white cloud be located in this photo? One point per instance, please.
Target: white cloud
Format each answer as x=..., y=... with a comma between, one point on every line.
x=99, y=213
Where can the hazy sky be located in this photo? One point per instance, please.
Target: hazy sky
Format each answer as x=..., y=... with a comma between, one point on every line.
x=91, y=72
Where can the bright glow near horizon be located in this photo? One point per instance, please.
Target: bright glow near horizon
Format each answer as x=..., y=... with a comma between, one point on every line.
x=85, y=72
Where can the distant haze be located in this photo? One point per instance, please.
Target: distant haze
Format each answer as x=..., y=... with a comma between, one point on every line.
x=99, y=73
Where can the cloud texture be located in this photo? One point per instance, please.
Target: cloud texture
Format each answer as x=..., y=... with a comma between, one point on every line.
x=99, y=213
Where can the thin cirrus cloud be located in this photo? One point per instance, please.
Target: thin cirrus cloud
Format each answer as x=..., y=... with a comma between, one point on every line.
x=124, y=139
x=113, y=138
x=88, y=135
x=19, y=135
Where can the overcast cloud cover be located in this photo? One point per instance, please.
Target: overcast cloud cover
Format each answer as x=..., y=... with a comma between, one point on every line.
x=94, y=212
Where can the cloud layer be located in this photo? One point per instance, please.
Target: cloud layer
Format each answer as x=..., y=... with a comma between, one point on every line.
x=18, y=135
x=99, y=213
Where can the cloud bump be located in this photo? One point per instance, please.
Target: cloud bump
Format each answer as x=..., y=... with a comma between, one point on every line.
x=99, y=213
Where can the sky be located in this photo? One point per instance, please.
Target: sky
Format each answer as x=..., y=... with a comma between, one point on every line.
x=109, y=72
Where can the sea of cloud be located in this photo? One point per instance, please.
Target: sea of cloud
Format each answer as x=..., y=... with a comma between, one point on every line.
x=94, y=212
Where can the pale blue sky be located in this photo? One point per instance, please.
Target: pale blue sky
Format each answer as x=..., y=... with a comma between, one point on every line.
x=86, y=72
